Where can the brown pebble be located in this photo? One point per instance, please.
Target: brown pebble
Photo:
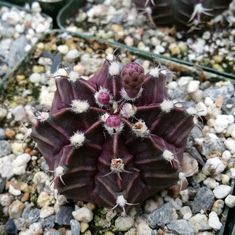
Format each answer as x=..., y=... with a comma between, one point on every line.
x=25, y=197
x=9, y=133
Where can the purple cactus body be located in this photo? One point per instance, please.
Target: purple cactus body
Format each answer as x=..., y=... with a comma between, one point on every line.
x=119, y=152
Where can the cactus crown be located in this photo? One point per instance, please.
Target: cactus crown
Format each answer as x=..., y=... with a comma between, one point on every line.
x=115, y=139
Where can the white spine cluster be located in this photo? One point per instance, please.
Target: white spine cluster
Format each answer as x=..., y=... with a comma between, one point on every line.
x=168, y=155
x=155, y=72
x=73, y=76
x=166, y=106
x=59, y=172
x=128, y=110
x=79, y=106
x=114, y=68
x=77, y=139
x=126, y=97
x=140, y=129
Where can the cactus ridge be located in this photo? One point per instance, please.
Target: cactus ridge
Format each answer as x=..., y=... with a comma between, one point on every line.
x=109, y=145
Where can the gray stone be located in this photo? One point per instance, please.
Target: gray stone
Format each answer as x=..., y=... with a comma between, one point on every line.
x=31, y=215
x=75, y=227
x=5, y=148
x=64, y=215
x=48, y=222
x=212, y=145
x=180, y=227
x=52, y=232
x=2, y=184
x=213, y=92
x=203, y=200
x=2, y=134
x=161, y=216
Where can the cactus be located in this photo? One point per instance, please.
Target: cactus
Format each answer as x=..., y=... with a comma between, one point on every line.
x=115, y=139
x=182, y=13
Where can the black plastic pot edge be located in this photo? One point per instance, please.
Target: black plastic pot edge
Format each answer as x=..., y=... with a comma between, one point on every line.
x=72, y=6
x=139, y=53
x=11, y=71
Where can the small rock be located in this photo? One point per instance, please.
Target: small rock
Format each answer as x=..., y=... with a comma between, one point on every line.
x=14, y=191
x=199, y=222
x=75, y=227
x=20, y=163
x=46, y=211
x=161, y=216
x=143, y=229
x=213, y=166
x=230, y=144
x=222, y=191
x=10, y=227
x=31, y=215
x=15, y=209
x=203, y=200
x=83, y=214
x=64, y=215
x=44, y=199
x=5, y=199
x=72, y=55
x=5, y=148
x=52, y=232
x=124, y=223
x=230, y=201
x=214, y=221
x=35, y=78
x=3, y=113
x=2, y=184
x=218, y=206
x=222, y=122
x=18, y=148
x=180, y=227
x=48, y=222
x=35, y=228
x=19, y=113
x=193, y=86
x=186, y=212
x=63, y=49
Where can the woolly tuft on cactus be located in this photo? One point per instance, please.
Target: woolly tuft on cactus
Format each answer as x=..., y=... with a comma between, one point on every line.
x=182, y=13
x=116, y=139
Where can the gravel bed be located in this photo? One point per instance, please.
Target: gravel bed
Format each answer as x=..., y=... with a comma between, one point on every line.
x=29, y=204
x=19, y=31
x=212, y=46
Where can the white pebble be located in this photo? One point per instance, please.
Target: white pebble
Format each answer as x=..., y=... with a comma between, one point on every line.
x=213, y=166
x=222, y=191
x=230, y=144
x=20, y=164
x=186, y=212
x=214, y=221
x=143, y=229
x=35, y=78
x=230, y=201
x=201, y=109
x=124, y=223
x=232, y=173
x=63, y=49
x=72, y=55
x=14, y=191
x=5, y=199
x=222, y=122
x=193, y=86
x=83, y=214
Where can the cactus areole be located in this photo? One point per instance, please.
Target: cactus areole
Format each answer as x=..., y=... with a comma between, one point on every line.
x=116, y=139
